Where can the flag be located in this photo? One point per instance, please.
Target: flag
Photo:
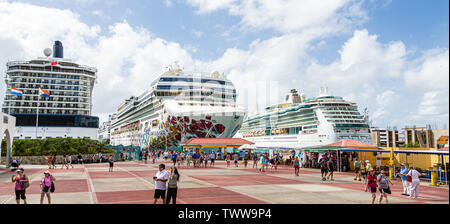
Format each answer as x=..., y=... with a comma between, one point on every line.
x=15, y=91
x=44, y=93
x=54, y=61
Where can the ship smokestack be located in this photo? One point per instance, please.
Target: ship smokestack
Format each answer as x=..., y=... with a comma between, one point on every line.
x=57, y=49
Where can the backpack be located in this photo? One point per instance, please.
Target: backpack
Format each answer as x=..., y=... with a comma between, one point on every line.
x=25, y=184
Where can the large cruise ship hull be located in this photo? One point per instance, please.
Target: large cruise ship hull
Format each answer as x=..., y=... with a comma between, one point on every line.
x=175, y=124
x=301, y=141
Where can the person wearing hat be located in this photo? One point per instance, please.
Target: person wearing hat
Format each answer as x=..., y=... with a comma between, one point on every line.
x=372, y=184
x=46, y=186
x=404, y=176
x=415, y=182
x=19, y=181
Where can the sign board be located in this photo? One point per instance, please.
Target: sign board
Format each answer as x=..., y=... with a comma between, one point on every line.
x=159, y=133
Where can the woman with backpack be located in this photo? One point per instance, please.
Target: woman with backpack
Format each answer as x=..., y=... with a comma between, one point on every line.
x=21, y=183
x=372, y=184
x=47, y=186
x=383, y=186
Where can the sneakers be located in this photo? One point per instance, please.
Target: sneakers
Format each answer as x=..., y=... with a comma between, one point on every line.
x=354, y=179
x=323, y=179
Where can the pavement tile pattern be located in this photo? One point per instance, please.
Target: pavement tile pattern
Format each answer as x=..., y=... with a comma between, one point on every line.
x=132, y=183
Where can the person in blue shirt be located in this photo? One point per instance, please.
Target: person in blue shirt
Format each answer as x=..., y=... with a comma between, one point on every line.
x=174, y=158
x=403, y=176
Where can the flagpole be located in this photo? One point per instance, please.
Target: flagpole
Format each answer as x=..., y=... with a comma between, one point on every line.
x=37, y=116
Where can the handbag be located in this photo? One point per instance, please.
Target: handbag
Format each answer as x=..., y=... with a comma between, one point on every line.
x=25, y=184
x=409, y=178
x=52, y=187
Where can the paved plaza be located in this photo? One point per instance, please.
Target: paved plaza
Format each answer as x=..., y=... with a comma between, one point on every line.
x=132, y=183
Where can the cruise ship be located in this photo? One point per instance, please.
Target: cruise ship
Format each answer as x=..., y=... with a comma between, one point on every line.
x=305, y=122
x=66, y=112
x=178, y=106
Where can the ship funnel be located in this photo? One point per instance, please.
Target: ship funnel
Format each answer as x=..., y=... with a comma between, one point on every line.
x=57, y=49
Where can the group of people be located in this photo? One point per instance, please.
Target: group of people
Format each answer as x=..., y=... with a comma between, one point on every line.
x=22, y=182
x=166, y=182
x=410, y=180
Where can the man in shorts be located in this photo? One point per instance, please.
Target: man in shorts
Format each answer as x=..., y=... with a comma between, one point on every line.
x=357, y=166
x=212, y=157
x=160, y=178
x=236, y=158
x=323, y=168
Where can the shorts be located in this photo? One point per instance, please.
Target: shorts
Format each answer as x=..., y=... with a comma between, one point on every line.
x=296, y=166
x=323, y=170
x=45, y=192
x=111, y=164
x=20, y=194
x=387, y=190
x=331, y=170
x=357, y=170
x=235, y=161
x=373, y=189
x=160, y=194
x=212, y=160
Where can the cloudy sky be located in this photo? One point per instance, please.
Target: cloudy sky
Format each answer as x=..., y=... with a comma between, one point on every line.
x=389, y=56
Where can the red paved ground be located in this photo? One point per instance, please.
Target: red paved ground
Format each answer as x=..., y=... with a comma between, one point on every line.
x=241, y=180
x=200, y=195
x=105, y=174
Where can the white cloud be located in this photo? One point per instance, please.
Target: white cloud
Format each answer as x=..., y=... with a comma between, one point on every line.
x=288, y=15
x=431, y=71
x=168, y=3
x=128, y=59
x=197, y=33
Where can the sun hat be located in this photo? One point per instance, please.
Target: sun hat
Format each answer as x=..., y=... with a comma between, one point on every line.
x=47, y=172
x=410, y=167
x=19, y=170
x=367, y=161
x=371, y=169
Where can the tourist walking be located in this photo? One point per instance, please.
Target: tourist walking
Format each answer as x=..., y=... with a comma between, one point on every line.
x=228, y=160
x=245, y=160
x=21, y=182
x=47, y=186
x=54, y=161
x=371, y=184
x=166, y=155
x=236, y=158
x=174, y=159
x=50, y=159
x=172, y=186
x=80, y=158
x=255, y=160
x=212, y=157
x=357, y=166
x=414, y=183
x=330, y=167
x=404, y=177
x=160, y=178
x=363, y=170
x=261, y=160
x=206, y=160
x=69, y=161
x=111, y=163
x=296, y=166
x=323, y=168
x=64, y=162
x=383, y=186
x=188, y=160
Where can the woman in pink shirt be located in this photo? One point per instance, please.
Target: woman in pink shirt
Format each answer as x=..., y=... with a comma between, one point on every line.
x=46, y=186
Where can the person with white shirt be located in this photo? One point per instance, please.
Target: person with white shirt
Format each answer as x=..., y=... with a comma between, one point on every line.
x=160, y=183
x=415, y=182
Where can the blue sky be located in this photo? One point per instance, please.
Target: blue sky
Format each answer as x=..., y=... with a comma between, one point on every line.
x=376, y=53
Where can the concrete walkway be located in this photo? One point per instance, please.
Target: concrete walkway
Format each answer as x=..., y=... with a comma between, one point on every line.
x=131, y=182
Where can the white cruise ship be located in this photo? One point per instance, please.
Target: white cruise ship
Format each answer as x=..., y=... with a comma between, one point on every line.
x=301, y=122
x=66, y=113
x=176, y=107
